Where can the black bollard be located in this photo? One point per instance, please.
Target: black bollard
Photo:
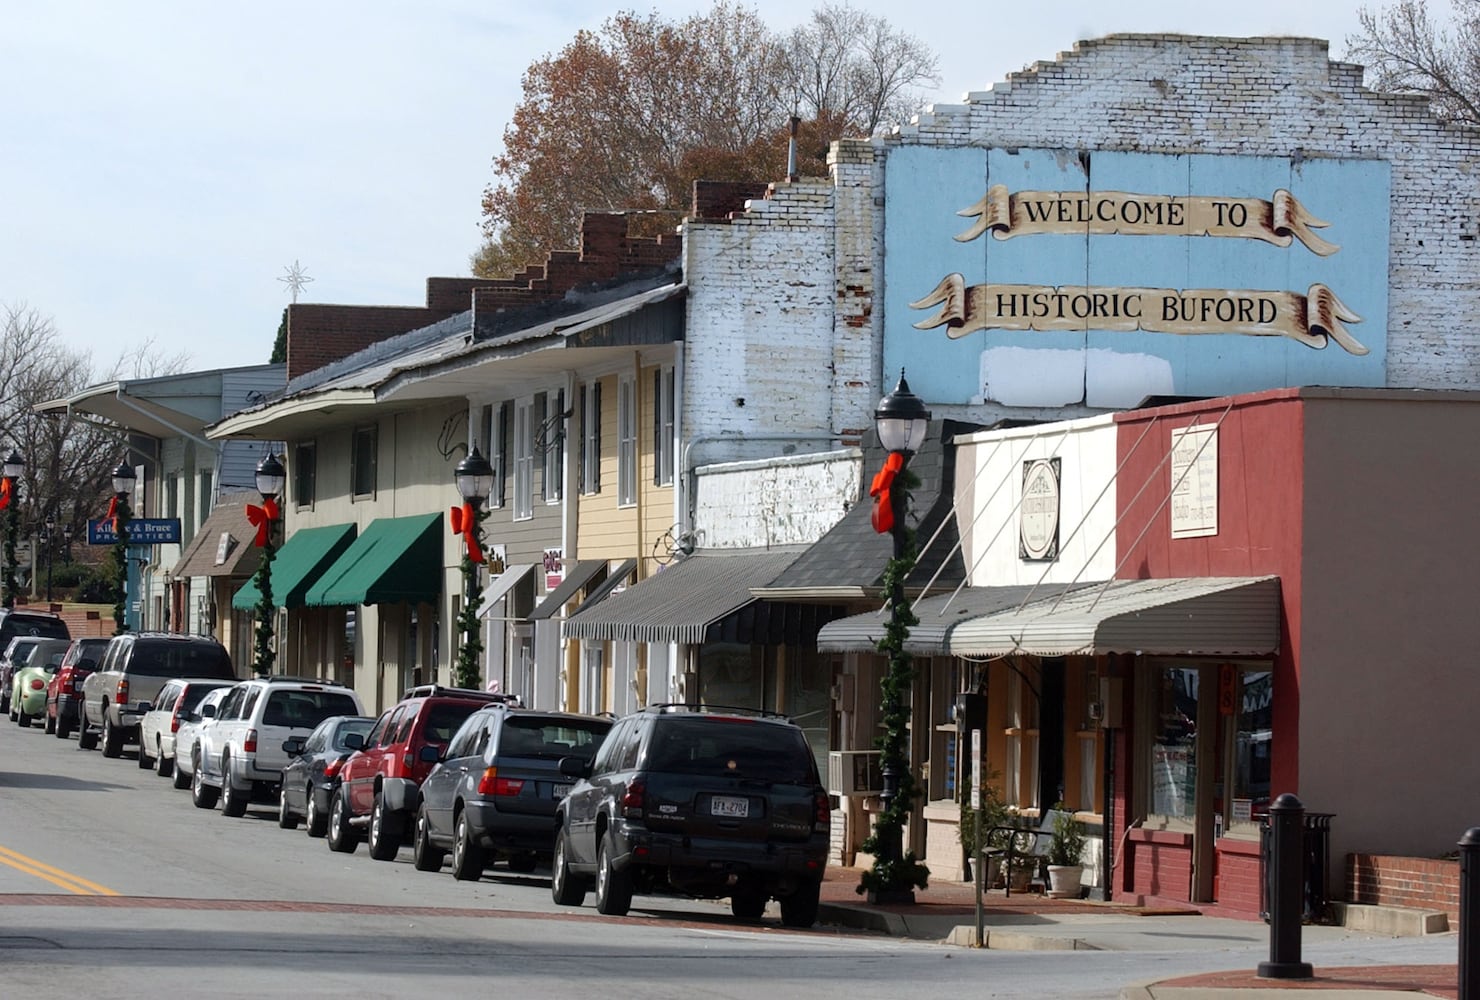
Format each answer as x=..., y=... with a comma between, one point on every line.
x=1286, y=881
x=1469, y=905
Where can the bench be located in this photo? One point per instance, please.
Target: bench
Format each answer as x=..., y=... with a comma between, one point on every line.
x=1018, y=844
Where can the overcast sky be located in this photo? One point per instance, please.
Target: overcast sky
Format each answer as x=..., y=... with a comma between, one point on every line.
x=166, y=163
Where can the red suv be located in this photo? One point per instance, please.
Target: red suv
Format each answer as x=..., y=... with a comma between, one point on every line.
x=378, y=783
x=64, y=693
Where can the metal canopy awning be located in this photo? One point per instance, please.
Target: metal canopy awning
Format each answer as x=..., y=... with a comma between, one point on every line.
x=1214, y=616
x=500, y=586
x=297, y=565
x=395, y=560
x=574, y=581
x=680, y=603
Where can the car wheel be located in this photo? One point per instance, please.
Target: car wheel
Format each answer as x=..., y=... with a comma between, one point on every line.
x=524, y=862
x=112, y=738
x=748, y=904
x=144, y=760
x=427, y=856
x=87, y=739
x=22, y=719
x=233, y=799
x=341, y=836
x=202, y=794
x=287, y=819
x=163, y=766
x=51, y=724
x=613, y=887
x=182, y=780
x=799, y=909
x=467, y=857
x=384, y=838
x=63, y=727
x=566, y=889
x=315, y=822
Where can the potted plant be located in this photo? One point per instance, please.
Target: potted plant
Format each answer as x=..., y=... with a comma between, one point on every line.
x=1065, y=853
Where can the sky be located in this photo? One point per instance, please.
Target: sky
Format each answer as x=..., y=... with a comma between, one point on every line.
x=167, y=163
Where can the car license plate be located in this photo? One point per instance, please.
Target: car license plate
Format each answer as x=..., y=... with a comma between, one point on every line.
x=559, y=791
x=729, y=805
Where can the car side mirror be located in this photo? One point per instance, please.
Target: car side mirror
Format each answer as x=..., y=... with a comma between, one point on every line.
x=575, y=767
x=354, y=741
x=146, y=706
x=208, y=711
x=430, y=754
x=293, y=745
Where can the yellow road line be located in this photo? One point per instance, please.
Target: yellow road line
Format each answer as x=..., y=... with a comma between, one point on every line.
x=64, y=880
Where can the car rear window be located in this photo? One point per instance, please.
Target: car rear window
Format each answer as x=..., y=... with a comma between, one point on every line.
x=734, y=747
x=552, y=739
x=46, y=627
x=444, y=718
x=195, y=694
x=167, y=658
x=306, y=709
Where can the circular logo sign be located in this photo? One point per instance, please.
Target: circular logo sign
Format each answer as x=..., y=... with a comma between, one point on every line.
x=1038, y=534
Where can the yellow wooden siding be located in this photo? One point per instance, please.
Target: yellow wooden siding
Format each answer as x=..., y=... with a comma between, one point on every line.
x=656, y=503
x=604, y=530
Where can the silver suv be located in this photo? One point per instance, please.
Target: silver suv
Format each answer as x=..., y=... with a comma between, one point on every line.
x=135, y=666
x=239, y=756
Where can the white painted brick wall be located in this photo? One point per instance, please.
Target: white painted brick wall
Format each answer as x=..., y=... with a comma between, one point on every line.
x=783, y=501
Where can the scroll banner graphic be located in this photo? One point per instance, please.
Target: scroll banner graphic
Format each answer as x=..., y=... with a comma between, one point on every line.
x=1313, y=319
x=1280, y=220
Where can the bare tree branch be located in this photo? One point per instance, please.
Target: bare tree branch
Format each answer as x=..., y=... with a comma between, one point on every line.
x=1406, y=50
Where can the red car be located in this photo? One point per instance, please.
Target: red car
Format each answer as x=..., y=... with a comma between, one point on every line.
x=379, y=783
x=64, y=692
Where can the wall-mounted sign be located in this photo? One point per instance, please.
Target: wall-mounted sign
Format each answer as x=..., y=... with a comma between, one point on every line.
x=224, y=545
x=554, y=566
x=1038, y=521
x=140, y=530
x=1194, y=470
x=1101, y=278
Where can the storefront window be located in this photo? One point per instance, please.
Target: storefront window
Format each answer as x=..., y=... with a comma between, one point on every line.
x=1174, y=743
x=1250, y=799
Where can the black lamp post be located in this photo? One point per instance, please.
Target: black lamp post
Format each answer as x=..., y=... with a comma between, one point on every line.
x=270, y=480
x=118, y=510
x=51, y=530
x=14, y=466
x=474, y=478
x=901, y=420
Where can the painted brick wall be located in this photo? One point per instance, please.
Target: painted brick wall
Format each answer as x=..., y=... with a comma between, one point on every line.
x=1422, y=883
x=784, y=501
x=1264, y=96
x=1162, y=869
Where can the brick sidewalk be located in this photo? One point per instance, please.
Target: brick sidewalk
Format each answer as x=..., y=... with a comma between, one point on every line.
x=1431, y=980
x=947, y=898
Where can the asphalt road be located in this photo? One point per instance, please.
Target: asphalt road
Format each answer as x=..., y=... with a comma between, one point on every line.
x=111, y=882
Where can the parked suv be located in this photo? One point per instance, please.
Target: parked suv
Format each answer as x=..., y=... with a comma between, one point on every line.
x=44, y=624
x=161, y=722
x=708, y=803
x=378, y=784
x=135, y=666
x=494, y=793
x=64, y=693
x=239, y=756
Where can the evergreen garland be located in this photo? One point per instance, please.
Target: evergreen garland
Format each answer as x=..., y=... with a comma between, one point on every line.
x=120, y=563
x=468, y=669
x=263, y=655
x=11, y=530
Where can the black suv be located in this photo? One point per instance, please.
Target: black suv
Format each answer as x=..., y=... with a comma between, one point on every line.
x=493, y=796
x=708, y=802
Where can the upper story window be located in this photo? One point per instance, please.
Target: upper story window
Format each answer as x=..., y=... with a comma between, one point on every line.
x=207, y=496
x=663, y=443
x=524, y=459
x=304, y=470
x=590, y=404
x=362, y=461
x=495, y=433
x=172, y=496
x=626, y=441
x=551, y=444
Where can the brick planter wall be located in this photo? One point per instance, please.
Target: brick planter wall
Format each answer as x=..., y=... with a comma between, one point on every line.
x=1422, y=883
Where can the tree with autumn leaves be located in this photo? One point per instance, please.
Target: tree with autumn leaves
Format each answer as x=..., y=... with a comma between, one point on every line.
x=628, y=117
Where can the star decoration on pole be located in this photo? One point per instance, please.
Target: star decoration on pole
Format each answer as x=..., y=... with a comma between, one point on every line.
x=295, y=278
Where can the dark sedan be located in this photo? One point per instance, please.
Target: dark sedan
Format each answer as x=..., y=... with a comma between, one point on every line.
x=493, y=795
x=312, y=776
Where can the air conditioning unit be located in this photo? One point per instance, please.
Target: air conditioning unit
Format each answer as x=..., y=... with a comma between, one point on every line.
x=854, y=772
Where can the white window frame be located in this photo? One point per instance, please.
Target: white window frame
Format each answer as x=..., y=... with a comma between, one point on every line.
x=593, y=676
x=524, y=460
x=626, y=441
x=663, y=447
x=554, y=450
x=591, y=438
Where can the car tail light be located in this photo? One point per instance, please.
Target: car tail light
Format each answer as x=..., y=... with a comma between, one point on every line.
x=175, y=721
x=37, y=684
x=492, y=784
x=249, y=745
x=122, y=698
x=331, y=769
x=824, y=810
x=632, y=798
x=64, y=685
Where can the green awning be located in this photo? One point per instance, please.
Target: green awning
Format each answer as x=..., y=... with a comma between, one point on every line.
x=298, y=565
x=395, y=559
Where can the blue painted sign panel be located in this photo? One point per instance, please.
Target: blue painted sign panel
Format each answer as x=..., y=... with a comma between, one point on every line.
x=1049, y=278
x=141, y=531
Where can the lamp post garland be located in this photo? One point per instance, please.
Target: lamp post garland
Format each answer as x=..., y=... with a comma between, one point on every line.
x=120, y=514
x=474, y=478
x=270, y=480
x=902, y=421
x=9, y=487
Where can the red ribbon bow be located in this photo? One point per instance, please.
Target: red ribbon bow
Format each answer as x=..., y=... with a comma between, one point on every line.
x=4, y=493
x=111, y=517
x=262, y=517
x=883, y=516
x=464, y=521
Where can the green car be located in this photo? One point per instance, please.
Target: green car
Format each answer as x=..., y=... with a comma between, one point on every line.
x=28, y=686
